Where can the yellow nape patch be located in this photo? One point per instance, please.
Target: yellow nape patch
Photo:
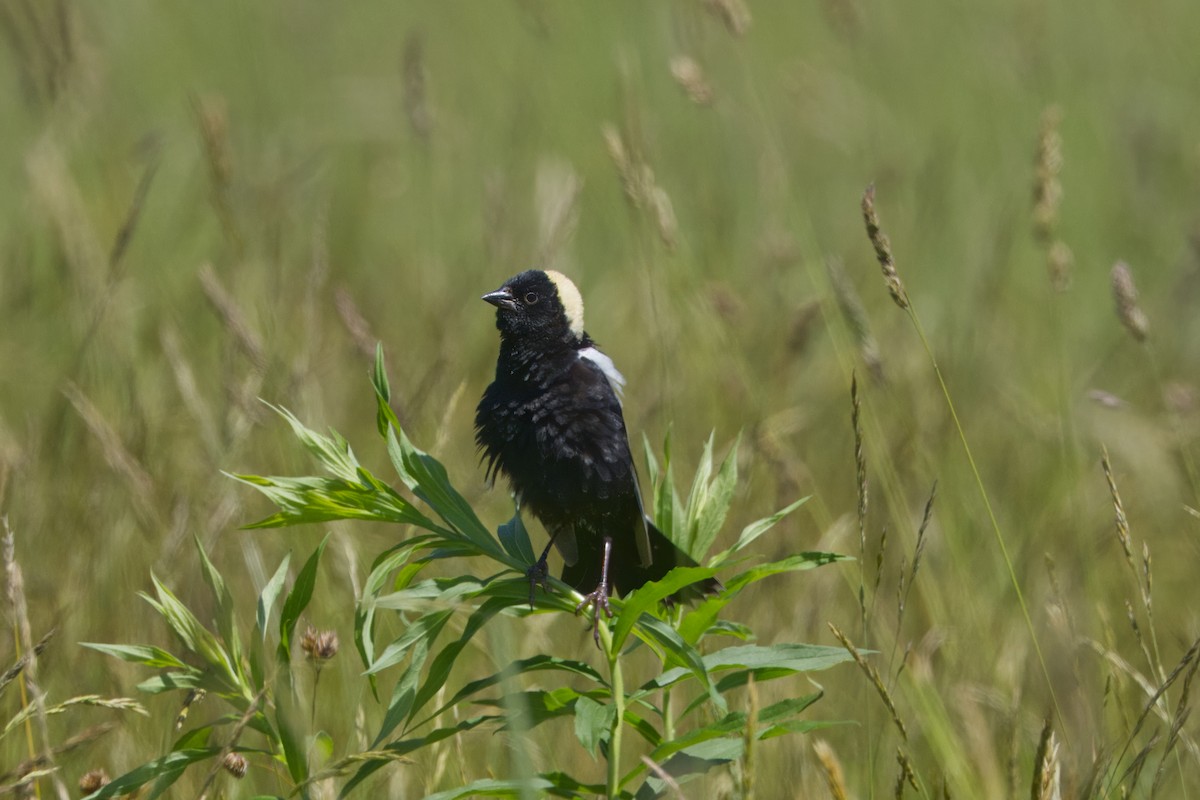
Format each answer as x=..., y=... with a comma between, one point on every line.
x=571, y=299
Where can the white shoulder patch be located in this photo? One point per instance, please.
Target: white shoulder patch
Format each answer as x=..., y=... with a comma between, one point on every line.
x=615, y=379
x=571, y=299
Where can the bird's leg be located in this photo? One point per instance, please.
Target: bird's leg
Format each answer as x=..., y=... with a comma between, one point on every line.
x=539, y=572
x=598, y=599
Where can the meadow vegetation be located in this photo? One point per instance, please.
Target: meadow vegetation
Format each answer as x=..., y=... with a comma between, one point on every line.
x=207, y=205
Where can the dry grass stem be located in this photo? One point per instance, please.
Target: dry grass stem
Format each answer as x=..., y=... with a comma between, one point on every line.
x=860, y=468
x=132, y=216
x=641, y=187
x=883, y=249
x=733, y=14
x=33, y=699
x=416, y=101
x=355, y=323
x=665, y=777
x=212, y=118
x=189, y=389
x=688, y=73
x=124, y=463
x=873, y=675
x=1128, y=311
x=904, y=587
x=232, y=317
x=557, y=187
x=855, y=315
x=749, y=766
x=831, y=768
x=18, y=666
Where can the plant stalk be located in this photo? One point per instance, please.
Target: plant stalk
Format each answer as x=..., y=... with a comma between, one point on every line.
x=617, y=683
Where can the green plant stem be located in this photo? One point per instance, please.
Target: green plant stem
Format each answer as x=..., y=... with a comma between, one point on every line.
x=617, y=685
x=987, y=504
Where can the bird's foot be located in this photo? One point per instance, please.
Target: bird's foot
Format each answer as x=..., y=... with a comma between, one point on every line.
x=538, y=575
x=598, y=600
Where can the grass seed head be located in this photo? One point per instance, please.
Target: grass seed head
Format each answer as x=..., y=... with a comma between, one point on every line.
x=883, y=249
x=1128, y=311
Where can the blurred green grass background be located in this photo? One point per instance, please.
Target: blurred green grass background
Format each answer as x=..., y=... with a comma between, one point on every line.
x=296, y=180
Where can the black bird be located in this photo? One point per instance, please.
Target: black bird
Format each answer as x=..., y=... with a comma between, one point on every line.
x=551, y=422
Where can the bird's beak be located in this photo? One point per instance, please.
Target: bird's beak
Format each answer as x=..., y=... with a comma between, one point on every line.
x=501, y=298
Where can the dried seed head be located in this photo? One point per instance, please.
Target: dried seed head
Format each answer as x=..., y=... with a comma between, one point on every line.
x=1059, y=260
x=883, y=249
x=93, y=781
x=831, y=766
x=317, y=645
x=690, y=76
x=235, y=764
x=212, y=113
x=1128, y=310
x=641, y=188
x=416, y=105
x=1047, y=189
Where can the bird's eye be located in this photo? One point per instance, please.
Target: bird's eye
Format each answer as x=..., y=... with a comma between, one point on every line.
x=531, y=298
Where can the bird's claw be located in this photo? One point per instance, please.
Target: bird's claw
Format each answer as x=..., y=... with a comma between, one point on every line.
x=598, y=600
x=538, y=575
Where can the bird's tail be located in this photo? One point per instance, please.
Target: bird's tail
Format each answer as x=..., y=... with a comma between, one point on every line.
x=666, y=555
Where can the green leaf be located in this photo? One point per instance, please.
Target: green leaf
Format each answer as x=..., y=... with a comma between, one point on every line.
x=490, y=787
x=384, y=415
x=592, y=722
x=425, y=629
x=780, y=711
x=439, y=670
x=757, y=529
x=194, y=636
x=427, y=479
x=134, y=779
x=396, y=750
x=297, y=600
x=697, y=497
x=667, y=512
x=515, y=540
x=705, y=520
x=789, y=657
x=364, y=615
x=529, y=665
x=331, y=451
x=270, y=593
x=146, y=655
x=226, y=622
x=646, y=599
x=289, y=722
x=315, y=499
x=699, y=619
x=171, y=681
x=676, y=650
x=405, y=691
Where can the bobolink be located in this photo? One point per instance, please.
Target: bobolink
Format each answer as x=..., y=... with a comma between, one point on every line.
x=551, y=422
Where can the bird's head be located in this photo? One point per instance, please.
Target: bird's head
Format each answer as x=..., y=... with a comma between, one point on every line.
x=537, y=305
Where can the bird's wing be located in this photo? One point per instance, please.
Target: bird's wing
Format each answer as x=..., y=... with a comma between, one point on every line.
x=601, y=363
